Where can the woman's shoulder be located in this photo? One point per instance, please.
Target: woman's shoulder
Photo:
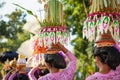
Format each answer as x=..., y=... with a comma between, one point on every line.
x=46, y=77
x=112, y=75
x=93, y=76
x=54, y=76
x=118, y=68
x=116, y=73
x=98, y=76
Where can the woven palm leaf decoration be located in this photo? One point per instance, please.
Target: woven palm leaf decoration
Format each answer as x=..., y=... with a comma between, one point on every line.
x=104, y=15
x=38, y=54
x=53, y=28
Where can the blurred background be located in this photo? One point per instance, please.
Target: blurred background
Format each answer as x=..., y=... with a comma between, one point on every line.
x=15, y=23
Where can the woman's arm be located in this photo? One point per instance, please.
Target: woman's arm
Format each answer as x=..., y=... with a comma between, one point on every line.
x=6, y=76
x=70, y=56
x=72, y=63
x=12, y=76
x=71, y=67
x=31, y=73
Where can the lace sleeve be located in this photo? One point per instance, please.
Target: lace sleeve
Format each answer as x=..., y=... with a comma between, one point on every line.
x=43, y=78
x=46, y=77
x=12, y=76
x=90, y=78
x=6, y=76
x=31, y=74
x=116, y=75
x=71, y=68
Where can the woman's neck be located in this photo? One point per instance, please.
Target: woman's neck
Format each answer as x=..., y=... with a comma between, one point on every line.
x=53, y=70
x=104, y=69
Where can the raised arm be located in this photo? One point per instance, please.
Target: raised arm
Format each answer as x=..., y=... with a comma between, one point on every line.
x=70, y=56
x=12, y=76
x=6, y=76
x=31, y=73
x=71, y=67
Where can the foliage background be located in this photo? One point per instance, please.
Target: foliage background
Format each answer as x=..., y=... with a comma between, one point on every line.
x=75, y=12
x=11, y=32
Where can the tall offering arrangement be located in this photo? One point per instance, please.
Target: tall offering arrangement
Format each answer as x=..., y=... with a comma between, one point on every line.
x=53, y=27
x=53, y=30
x=104, y=17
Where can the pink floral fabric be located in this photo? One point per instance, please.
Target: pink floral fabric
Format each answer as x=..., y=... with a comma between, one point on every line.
x=6, y=76
x=66, y=74
x=12, y=76
x=9, y=76
x=112, y=75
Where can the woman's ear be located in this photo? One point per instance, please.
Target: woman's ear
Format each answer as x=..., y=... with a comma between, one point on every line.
x=47, y=65
x=96, y=59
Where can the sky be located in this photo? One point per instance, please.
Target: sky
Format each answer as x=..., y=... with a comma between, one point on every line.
x=32, y=5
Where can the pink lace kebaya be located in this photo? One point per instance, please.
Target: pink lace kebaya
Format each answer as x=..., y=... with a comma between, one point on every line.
x=112, y=75
x=107, y=59
x=66, y=74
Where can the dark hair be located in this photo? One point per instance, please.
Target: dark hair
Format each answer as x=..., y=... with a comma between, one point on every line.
x=21, y=76
x=55, y=60
x=108, y=55
x=41, y=72
x=10, y=55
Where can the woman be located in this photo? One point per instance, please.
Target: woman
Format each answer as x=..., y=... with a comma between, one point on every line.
x=12, y=68
x=107, y=59
x=56, y=62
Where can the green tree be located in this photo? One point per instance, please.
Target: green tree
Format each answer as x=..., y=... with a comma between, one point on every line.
x=2, y=4
x=75, y=14
x=11, y=32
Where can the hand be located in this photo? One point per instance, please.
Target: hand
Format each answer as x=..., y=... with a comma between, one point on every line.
x=39, y=65
x=65, y=50
x=57, y=47
x=17, y=70
x=54, y=49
